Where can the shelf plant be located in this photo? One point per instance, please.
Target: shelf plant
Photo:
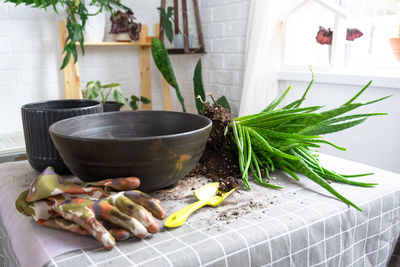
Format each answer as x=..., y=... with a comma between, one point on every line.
x=94, y=89
x=124, y=22
x=77, y=15
x=167, y=21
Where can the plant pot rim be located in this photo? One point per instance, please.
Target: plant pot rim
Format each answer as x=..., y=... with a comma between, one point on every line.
x=55, y=127
x=38, y=106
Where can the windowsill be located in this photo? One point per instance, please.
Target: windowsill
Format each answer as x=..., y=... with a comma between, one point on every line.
x=380, y=79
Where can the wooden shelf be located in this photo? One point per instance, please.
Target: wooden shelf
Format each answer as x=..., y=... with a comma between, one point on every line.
x=115, y=44
x=175, y=51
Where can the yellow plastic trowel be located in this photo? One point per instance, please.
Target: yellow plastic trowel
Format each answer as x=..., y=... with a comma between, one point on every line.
x=207, y=195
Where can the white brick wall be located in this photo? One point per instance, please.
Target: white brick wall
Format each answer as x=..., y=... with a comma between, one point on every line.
x=30, y=57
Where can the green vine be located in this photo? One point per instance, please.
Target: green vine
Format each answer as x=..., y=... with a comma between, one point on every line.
x=77, y=15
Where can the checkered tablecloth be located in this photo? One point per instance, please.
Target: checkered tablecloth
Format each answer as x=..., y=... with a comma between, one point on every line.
x=300, y=225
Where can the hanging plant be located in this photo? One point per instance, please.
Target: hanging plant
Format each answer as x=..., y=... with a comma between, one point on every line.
x=77, y=15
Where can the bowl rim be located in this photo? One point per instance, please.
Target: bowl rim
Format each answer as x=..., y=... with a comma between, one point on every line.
x=53, y=131
x=30, y=106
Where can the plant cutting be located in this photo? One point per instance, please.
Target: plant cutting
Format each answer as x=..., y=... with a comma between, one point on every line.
x=95, y=89
x=77, y=15
x=124, y=26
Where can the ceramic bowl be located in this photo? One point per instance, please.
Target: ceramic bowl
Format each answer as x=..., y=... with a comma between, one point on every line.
x=159, y=147
x=37, y=118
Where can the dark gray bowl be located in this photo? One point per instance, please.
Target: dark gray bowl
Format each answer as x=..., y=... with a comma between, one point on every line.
x=37, y=118
x=159, y=147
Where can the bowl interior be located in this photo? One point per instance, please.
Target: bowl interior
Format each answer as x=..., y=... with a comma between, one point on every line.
x=130, y=125
x=60, y=104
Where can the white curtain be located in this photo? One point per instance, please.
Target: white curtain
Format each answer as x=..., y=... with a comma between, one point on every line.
x=263, y=54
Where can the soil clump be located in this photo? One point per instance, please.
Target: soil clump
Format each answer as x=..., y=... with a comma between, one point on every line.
x=218, y=161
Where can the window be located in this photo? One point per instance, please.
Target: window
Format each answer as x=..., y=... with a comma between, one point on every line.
x=378, y=20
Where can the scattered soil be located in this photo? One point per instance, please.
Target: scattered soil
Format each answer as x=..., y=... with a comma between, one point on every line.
x=228, y=184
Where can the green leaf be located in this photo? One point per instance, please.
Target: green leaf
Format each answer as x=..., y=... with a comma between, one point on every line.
x=118, y=96
x=224, y=103
x=145, y=100
x=277, y=101
x=110, y=85
x=133, y=105
x=161, y=59
x=134, y=98
x=198, y=88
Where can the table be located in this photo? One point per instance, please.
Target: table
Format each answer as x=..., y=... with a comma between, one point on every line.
x=300, y=225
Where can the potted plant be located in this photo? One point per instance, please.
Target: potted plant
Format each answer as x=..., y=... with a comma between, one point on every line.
x=167, y=22
x=395, y=44
x=123, y=27
x=95, y=89
x=77, y=15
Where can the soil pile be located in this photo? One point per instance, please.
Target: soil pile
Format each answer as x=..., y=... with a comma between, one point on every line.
x=218, y=162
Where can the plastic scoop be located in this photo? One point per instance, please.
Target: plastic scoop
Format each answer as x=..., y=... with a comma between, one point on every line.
x=207, y=195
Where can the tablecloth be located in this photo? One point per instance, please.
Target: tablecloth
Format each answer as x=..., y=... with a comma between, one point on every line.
x=300, y=225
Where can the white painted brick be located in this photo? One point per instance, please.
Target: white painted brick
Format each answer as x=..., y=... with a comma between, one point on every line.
x=213, y=30
x=7, y=62
x=227, y=77
x=207, y=75
x=233, y=92
x=212, y=3
x=226, y=13
x=216, y=90
x=23, y=12
x=4, y=11
x=31, y=54
x=38, y=77
x=226, y=45
x=206, y=15
x=236, y=28
x=31, y=61
x=5, y=46
x=244, y=10
x=234, y=62
x=29, y=28
x=33, y=45
x=213, y=61
x=7, y=78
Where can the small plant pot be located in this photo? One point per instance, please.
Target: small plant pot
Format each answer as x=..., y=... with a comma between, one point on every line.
x=95, y=25
x=179, y=41
x=122, y=37
x=36, y=120
x=395, y=44
x=111, y=106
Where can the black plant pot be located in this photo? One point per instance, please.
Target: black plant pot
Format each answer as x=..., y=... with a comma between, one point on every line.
x=37, y=118
x=110, y=106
